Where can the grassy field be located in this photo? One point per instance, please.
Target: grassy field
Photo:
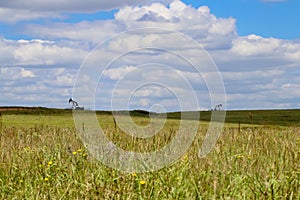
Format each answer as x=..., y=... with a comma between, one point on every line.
x=42, y=157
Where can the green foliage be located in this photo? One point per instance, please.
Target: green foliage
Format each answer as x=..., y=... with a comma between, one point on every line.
x=43, y=158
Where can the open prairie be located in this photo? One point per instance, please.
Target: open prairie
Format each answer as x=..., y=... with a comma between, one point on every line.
x=42, y=157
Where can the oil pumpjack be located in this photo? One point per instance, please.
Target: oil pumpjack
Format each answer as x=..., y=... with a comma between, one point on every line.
x=75, y=105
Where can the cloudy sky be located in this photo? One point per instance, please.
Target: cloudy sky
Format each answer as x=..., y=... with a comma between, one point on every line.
x=153, y=55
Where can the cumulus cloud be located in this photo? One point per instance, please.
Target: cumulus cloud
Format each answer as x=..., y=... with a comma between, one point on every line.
x=35, y=87
x=258, y=72
x=200, y=24
x=39, y=53
x=253, y=45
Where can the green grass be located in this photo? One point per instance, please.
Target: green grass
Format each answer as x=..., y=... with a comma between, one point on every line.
x=261, y=117
x=42, y=157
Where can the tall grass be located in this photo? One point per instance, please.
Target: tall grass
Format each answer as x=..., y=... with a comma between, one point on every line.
x=48, y=161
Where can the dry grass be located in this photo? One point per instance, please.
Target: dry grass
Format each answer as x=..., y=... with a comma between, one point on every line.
x=47, y=160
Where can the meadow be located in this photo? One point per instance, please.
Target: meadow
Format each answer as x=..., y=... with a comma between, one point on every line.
x=42, y=157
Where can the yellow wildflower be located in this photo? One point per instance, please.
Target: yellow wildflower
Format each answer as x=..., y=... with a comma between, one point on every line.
x=74, y=152
x=27, y=148
x=185, y=157
x=142, y=182
x=50, y=163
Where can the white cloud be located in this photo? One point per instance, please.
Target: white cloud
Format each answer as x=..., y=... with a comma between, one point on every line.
x=116, y=74
x=253, y=45
x=35, y=87
x=203, y=26
x=199, y=23
x=38, y=53
x=15, y=73
x=26, y=73
x=10, y=15
x=258, y=72
x=86, y=31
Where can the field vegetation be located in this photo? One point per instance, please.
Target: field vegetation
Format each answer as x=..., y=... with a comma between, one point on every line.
x=42, y=157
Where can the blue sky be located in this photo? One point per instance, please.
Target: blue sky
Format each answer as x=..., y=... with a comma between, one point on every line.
x=255, y=45
x=268, y=19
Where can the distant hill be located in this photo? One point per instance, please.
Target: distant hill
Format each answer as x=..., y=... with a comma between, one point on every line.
x=261, y=117
x=32, y=110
